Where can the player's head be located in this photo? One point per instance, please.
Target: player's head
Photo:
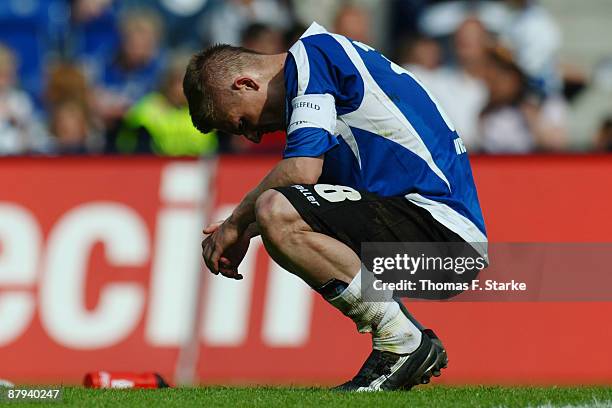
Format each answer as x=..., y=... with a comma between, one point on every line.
x=235, y=90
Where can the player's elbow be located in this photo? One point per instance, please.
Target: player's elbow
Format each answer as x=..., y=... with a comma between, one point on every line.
x=308, y=178
x=306, y=170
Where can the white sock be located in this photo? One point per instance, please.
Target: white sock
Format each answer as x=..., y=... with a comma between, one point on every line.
x=391, y=329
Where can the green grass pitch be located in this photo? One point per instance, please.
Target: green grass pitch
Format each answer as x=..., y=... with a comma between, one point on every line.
x=429, y=396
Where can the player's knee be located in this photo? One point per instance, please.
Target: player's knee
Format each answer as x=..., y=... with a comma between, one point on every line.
x=273, y=211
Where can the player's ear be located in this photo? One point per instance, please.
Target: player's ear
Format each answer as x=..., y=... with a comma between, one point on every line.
x=245, y=83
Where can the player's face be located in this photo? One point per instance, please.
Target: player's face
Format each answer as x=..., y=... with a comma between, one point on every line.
x=249, y=112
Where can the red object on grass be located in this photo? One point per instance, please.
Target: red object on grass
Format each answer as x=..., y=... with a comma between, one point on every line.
x=105, y=379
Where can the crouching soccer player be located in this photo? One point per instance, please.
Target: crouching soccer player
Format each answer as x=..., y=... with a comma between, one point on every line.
x=370, y=156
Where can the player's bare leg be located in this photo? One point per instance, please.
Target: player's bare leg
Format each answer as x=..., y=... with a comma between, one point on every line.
x=333, y=269
x=314, y=257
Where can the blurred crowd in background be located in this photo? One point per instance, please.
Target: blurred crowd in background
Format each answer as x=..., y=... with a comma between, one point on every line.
x=105, y=77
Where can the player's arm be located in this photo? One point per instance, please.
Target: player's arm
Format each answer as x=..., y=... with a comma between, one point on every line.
x=227, y=243
x=293, y=170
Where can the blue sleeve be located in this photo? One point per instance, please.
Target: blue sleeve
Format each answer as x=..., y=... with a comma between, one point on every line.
x=308, y=141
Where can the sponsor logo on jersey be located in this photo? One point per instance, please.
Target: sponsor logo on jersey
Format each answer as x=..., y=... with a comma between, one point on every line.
x=459, y=146
x=305, y=104
x=306, y=192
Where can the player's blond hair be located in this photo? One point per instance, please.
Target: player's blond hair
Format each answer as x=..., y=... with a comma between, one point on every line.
x=205, y=81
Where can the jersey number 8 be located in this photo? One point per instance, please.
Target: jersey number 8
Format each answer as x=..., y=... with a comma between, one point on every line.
x=335, y=194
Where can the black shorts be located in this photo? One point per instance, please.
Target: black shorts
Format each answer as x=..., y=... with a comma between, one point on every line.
x=357, y=217
x=354, y=217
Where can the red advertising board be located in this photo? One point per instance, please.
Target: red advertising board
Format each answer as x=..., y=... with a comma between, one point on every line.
x=100, y=269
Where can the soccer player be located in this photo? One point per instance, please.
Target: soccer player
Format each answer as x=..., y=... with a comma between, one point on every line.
x=370, y=156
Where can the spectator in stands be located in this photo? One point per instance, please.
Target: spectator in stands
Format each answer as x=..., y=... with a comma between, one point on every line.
x=160, y=123
x=16, y=112
x=71, y=128
x=421, y=54
x=471, y=41
x=94, y=35
x=230, y=18
x=515, y=119
x=135, y=69
x=68, y=92
x=423, y=58
x=34, y=30
x=353, y=22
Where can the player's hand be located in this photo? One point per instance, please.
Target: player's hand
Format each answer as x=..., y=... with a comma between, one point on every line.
x=222, y=237
x=233, y=256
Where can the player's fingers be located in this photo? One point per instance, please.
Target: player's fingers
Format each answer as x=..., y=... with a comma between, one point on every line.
x=205, y=243
x=206, y=254
x=224, y=262
x=227, y=269
x=214, y=258
x=212, y=227
x=204, y=247
x=230, y=273
x=210, y=266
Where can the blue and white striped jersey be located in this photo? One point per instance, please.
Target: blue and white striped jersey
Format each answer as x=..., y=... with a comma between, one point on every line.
x=379, y=128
